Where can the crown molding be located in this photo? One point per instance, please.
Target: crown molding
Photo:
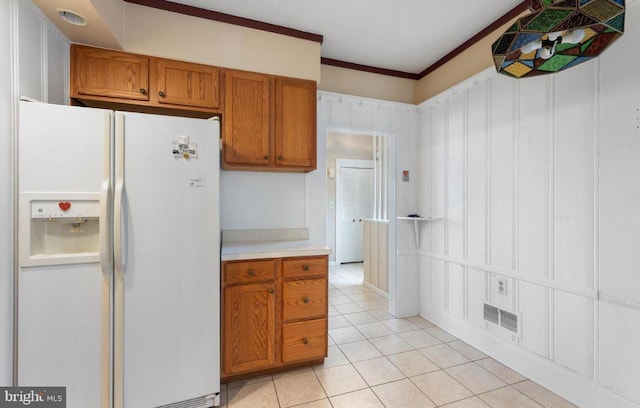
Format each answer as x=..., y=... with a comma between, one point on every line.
x=368, y=68
x=227, y=18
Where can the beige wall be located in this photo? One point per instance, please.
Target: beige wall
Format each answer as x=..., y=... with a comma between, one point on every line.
x=104, y=21
x=112, y=13
x=473, y=60
x=365, y=84
x=172, y=35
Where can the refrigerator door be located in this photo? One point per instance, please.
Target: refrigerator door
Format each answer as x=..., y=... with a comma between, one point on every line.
x=65, y=264
x=167, y=261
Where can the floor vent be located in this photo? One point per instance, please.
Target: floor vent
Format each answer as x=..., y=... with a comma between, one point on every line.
x=501, y=318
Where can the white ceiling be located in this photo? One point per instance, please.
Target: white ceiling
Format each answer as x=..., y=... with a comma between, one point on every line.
x=402, y=35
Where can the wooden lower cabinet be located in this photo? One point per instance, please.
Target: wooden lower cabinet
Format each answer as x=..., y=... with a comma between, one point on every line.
x=274, y=314
x=249, y=330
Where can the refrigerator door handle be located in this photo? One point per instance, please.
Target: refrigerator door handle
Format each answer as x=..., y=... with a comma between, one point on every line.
x=118, y=312
x=105, y=253
x=119, y=228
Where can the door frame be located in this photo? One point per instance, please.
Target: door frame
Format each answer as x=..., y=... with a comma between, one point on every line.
x=340, y=163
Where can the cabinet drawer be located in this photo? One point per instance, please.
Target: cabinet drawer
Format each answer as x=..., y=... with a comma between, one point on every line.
x=304, y=299
x=304, y=267
x=304, y=340
x=247, y=272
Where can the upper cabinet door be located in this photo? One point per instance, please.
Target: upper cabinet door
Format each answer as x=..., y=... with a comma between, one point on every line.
x=246, y=120
x=295, y=123
x=187, y=84
x=111, y=74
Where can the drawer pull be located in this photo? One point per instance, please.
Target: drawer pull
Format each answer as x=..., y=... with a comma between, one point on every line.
x=272, y=291
x=305, y=299
x=305, y=267
x=251, y=272
x=305, y=341
x=161, y=94
x=143, y=91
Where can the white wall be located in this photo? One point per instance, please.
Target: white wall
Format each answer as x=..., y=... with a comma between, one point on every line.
x=34, y=64
x=538, y=182
x=399, y=122
x=258, y=200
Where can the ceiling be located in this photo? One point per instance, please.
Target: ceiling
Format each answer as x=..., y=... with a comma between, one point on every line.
x=405, y=35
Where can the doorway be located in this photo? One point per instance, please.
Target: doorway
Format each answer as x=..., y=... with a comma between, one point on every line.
x=354, y=203
x=357, y=188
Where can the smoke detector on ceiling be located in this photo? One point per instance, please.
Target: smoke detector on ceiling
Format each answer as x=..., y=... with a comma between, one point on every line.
x=71, y=17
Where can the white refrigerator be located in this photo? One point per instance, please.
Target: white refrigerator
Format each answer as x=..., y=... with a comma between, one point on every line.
x=119, y=257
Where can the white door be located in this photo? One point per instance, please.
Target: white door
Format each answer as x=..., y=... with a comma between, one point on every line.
x=355, y=203
x=167, y=261
x=63, y=303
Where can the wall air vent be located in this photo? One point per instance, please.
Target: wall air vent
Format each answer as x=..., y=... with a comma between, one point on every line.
x=491, y=314
x=509, y=321
x=502, y=318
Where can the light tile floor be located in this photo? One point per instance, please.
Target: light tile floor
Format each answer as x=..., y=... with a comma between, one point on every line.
x=376, y=360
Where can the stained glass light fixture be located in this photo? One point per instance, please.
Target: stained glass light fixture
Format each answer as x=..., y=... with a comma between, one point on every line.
x=557, y=35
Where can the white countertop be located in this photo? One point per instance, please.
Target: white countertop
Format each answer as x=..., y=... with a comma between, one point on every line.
x=236, y=251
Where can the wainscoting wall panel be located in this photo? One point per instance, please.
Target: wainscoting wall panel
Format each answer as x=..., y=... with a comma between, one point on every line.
x=501, y=172
x=477, y=181
x=538, y=182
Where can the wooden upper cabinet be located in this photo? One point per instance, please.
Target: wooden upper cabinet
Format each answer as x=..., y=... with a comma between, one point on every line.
x=269, y=123
x=114, y=74
x=295, y=123
x=187, y=84
x=120, y=80
x=246, y=136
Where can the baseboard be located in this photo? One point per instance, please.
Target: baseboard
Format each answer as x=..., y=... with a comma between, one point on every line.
x=571, y=386
x=377, y=290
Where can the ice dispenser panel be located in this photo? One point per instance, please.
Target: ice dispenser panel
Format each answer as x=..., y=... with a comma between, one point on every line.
x=61, y=230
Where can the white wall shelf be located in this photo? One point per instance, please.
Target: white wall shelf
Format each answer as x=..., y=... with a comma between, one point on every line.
x=415, y=225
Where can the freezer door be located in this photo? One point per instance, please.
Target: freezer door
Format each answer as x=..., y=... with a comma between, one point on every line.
x=63, y=299
x=167, y=260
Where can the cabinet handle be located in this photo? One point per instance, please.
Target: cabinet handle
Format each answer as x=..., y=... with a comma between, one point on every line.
x=305, y=341
x=143, y=91
x=360, y=220
x=272, y=291
x=305, y=299
x=161, y=94
x=266, y=157
x=279, y=157
x=305, y=267
x=251, y=272
x=353, y=220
